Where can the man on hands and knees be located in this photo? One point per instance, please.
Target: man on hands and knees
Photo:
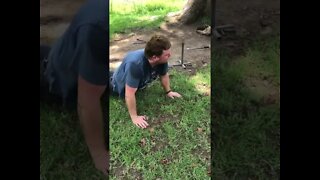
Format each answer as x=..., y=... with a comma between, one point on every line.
x=138, y=69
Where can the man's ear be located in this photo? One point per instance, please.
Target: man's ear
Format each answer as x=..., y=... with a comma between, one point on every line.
x=154, y=58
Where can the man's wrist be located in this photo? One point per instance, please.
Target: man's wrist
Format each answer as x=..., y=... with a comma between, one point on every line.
x=168, y=91
x=133, y=116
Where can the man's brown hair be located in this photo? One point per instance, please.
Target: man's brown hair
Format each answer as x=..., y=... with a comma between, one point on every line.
x=156, y=45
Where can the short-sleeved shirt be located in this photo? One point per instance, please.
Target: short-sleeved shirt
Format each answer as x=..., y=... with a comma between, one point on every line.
x=82, y=50
x=136, y=71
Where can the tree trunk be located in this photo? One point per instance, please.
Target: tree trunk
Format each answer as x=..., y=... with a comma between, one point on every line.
x=193, y=10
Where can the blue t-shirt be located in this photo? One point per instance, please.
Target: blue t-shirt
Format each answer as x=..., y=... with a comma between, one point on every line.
x=82, y=50
x=136, y=71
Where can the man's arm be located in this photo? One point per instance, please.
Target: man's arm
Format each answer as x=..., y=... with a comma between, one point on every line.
x=91, y=119
x=165, y=82
x=130, y=97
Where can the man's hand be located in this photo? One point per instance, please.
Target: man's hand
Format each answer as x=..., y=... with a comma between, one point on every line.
x=165, y=82
x=101, y=162
x=140, y=121
x=173, y=95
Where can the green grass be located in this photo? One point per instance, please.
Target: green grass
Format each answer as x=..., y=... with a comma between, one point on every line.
x=63, y=152
x=127, y=16
x=176, y=145
x=246, y=127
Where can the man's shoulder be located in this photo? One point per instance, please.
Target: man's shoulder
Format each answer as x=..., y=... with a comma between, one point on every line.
x=135, y=57
x=136, y=53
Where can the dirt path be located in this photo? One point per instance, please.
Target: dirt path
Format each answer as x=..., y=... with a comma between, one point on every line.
x=250, y=17
x=120, y=45
x=55, y=16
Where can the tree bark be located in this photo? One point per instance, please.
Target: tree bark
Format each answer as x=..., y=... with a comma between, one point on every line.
x=193, y=10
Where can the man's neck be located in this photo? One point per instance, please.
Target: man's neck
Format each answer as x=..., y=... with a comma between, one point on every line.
x=152, y=64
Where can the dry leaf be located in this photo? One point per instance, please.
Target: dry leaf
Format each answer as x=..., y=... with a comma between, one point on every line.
x=153, y=143
x=142, y=142
x=151, y=130
x=199, y=130
x=164, y=161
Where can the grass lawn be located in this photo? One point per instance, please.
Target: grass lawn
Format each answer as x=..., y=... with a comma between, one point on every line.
x=246, y=112
x=177, y=143
x=126, y=16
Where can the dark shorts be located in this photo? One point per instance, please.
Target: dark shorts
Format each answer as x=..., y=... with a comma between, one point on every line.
x=45, y=95
x=44, y=85
x=111, y=92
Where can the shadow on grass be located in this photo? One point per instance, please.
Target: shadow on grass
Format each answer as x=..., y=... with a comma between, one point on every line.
x=63, y=151
x=246, y=123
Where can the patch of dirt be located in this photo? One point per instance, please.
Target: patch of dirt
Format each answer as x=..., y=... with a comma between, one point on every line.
x=199, y=151
x=204, y=89
x=268, y=91
x=156, y=122
x=118, y=170
x=250, y=18
x=55, y=16
x=158, y=144
x=123, y=43
x=135, y=174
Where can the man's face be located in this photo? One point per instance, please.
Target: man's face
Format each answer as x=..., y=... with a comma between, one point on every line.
x=164, y=56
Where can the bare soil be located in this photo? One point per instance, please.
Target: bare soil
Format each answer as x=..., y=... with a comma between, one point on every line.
x=121, y=44
x=251, y=18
